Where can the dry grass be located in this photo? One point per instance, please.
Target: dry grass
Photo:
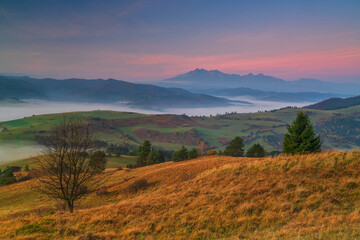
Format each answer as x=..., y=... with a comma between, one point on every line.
x=302, y=197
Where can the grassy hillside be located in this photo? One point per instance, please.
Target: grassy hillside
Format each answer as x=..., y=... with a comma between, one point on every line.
x=336, y=103
x=113, y=162
x=170, y=132
x=302, y=197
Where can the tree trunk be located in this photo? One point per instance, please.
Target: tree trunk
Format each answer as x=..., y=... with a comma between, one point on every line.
x=71, y=206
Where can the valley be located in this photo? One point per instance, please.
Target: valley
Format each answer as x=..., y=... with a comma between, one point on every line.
x=170, y=131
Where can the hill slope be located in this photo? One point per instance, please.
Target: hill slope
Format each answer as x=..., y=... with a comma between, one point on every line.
x=170, y=132
x=103, y=91
x=336, y=103
x=301, y=197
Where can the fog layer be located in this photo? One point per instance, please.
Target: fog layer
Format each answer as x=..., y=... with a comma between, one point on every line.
x=36, y=107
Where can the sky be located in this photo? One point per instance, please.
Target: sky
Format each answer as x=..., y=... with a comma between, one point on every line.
x=150, y=40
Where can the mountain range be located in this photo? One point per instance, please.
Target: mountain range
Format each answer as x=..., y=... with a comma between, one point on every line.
x=201, y=80
x=104, y=91
x=197, y=88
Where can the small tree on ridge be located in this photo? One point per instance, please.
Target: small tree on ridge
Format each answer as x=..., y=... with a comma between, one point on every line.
x=301, y=137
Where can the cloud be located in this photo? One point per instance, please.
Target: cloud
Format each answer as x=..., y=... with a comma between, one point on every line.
x=61, y=63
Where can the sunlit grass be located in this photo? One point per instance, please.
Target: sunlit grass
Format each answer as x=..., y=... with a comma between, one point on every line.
x=312, y=196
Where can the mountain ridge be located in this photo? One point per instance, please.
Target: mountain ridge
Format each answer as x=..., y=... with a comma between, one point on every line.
x=104, y=91
x=199, y=79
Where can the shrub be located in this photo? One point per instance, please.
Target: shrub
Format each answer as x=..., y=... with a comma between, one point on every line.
x=98, y=160
x=137, y=185
x=7, y=177
x=351, y=185
x=211, y=152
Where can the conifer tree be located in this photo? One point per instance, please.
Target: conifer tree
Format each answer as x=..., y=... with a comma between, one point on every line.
x=143, y=152
x=180, y=155
x=301, y=137
x=151, y=157
x=155, y=156
x=193, y=153
x=160, y=156
x=256, y=150
x=235, y=148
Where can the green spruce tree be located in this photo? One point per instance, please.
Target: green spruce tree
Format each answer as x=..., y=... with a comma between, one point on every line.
x=180, y=155
x=151, y=157
x=256, y=150
x=193, y=153
x=155, y=156
x=160, y=156
x=235, y=148
x=143, y=152
x=301, y=137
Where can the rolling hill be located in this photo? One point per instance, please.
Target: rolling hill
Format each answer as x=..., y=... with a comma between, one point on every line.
x=300, y=197
x=104, y=91
x=170, y=132
x=336, y=103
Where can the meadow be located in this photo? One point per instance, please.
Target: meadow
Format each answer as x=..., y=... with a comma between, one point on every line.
x=312, y=196
x=170, y=132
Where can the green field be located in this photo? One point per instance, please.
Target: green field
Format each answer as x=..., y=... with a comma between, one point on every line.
x=170, y=132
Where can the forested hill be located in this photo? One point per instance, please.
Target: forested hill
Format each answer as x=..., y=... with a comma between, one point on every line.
x=336, y=103
x=104, y=91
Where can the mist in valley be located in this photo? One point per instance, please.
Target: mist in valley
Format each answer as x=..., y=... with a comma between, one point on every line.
x=10, y=151
x=37, y=107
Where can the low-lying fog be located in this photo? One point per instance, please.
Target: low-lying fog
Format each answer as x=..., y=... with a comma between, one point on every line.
x=19, y=150
x=36, y=107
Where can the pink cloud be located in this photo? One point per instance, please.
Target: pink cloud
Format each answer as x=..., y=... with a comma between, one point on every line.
x=105, y=64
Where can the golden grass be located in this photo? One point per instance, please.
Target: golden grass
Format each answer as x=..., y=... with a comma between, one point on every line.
x=287, y=197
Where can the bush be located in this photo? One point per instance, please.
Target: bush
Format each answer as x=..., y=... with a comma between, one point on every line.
x=98, y=160
x=137, y=185
x=211, y=152
x=7, y=177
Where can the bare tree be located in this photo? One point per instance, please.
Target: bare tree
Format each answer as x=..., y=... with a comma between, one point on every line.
x=66, y=168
